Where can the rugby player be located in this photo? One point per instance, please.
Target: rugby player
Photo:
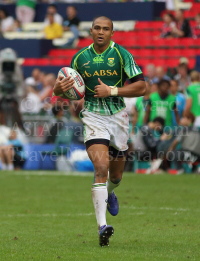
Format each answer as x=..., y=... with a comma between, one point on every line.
x=104, y=66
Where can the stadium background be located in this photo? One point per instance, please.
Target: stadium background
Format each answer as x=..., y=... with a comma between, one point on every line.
x=138, y=29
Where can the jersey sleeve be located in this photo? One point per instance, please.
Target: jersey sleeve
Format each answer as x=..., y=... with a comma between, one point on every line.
x=188, y=93
x=130, y=67
x=73, y=64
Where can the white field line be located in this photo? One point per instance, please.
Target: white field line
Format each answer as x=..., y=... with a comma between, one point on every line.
x=56, y=215
x=51, y=173
x=161, y=208
x=175, y=211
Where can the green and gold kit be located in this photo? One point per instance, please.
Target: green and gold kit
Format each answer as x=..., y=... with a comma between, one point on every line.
x=113, y=67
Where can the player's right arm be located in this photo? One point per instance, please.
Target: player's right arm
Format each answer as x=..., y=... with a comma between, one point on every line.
x=64, y=84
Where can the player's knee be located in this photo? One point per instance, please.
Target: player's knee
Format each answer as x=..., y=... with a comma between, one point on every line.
x=101, y=171
x=115, y=180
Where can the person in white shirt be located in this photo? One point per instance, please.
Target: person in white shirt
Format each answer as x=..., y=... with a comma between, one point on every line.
x=57, y=17
x=6, y=21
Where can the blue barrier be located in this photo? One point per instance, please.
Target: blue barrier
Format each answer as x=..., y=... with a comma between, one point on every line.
x=147, y=11
x=28, y=48
x=36, y=159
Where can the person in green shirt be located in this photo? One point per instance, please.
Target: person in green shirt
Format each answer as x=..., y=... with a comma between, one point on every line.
x=140, y=108
x=193, y=98
x=161, y=104
x=104, y=66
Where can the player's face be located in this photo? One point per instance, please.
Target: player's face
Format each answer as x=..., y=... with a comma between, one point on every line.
x=164, y=90
x=101, y=32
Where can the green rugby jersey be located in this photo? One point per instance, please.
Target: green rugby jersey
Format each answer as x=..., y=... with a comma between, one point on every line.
x=141, y=105
x=113, y=67
x=193, y=91
x=162, y=107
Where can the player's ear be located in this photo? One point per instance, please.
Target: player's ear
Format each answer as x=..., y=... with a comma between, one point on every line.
x=112, y=33
x=91, y=31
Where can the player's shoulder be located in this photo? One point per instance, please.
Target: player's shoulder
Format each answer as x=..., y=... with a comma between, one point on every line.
x=81, y=51
x=121, y=49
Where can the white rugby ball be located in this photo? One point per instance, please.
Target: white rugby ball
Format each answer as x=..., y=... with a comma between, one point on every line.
x=78, y=91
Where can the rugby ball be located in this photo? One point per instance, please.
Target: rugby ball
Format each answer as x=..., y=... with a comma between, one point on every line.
x=78, y=91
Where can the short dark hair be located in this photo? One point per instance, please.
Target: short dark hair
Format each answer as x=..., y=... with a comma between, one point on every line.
x=103, y=17
x=72, y=7
x=5, y=11
x=56, y=110
x=160, y=120
x=53, y=5
x=163, y=81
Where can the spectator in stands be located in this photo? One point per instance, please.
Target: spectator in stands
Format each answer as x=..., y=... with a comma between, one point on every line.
x=148, y=138
x=182, y=77
x=161, y=104
x=75, y=123
x=140, y=108
x=6, y=21
x=189, y=139
x=193, y=98
x=150, y=72
x=57, y=17
x=35, y=79
x=182, y=28
x=160, y=75
x=57, y=125
x=25, y=11
x=52, y=30
x=35, y=100
x=12, y=154
x=71, y=23
x=180, y=100
x=169, y=23
x=196, y=28
x=17, y=27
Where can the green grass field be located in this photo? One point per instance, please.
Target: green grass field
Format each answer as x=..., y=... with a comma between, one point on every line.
x=50, y=216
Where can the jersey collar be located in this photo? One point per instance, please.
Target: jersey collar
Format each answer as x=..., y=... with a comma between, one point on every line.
x=110, y=45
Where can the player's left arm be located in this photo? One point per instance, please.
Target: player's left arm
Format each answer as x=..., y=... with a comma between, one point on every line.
x=188, y=105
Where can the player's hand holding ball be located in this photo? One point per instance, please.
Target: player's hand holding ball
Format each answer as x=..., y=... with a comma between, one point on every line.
x=69, y=84
x=63, y=84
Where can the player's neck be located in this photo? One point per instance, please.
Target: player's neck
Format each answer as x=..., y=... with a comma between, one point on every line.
x=101, y=49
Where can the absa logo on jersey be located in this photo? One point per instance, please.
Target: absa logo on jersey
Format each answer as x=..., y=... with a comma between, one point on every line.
x=100, y=73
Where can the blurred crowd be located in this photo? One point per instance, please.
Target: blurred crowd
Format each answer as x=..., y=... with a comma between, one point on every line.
x=54, y=24
x=176, y=26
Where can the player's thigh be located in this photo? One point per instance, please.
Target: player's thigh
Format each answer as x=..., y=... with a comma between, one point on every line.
x=119, y=130
x=117, y=163
x=94, y=126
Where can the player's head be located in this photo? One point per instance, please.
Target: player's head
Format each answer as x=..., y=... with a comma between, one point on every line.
x=71, y=12
x=168, y=18
x=52, y=9
x=159, y=123
x=179, y=15
x=102, y=30
x=163, y=88
x=57, y=111
x=197, y=18
x=195, y=76
x=173, y=87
